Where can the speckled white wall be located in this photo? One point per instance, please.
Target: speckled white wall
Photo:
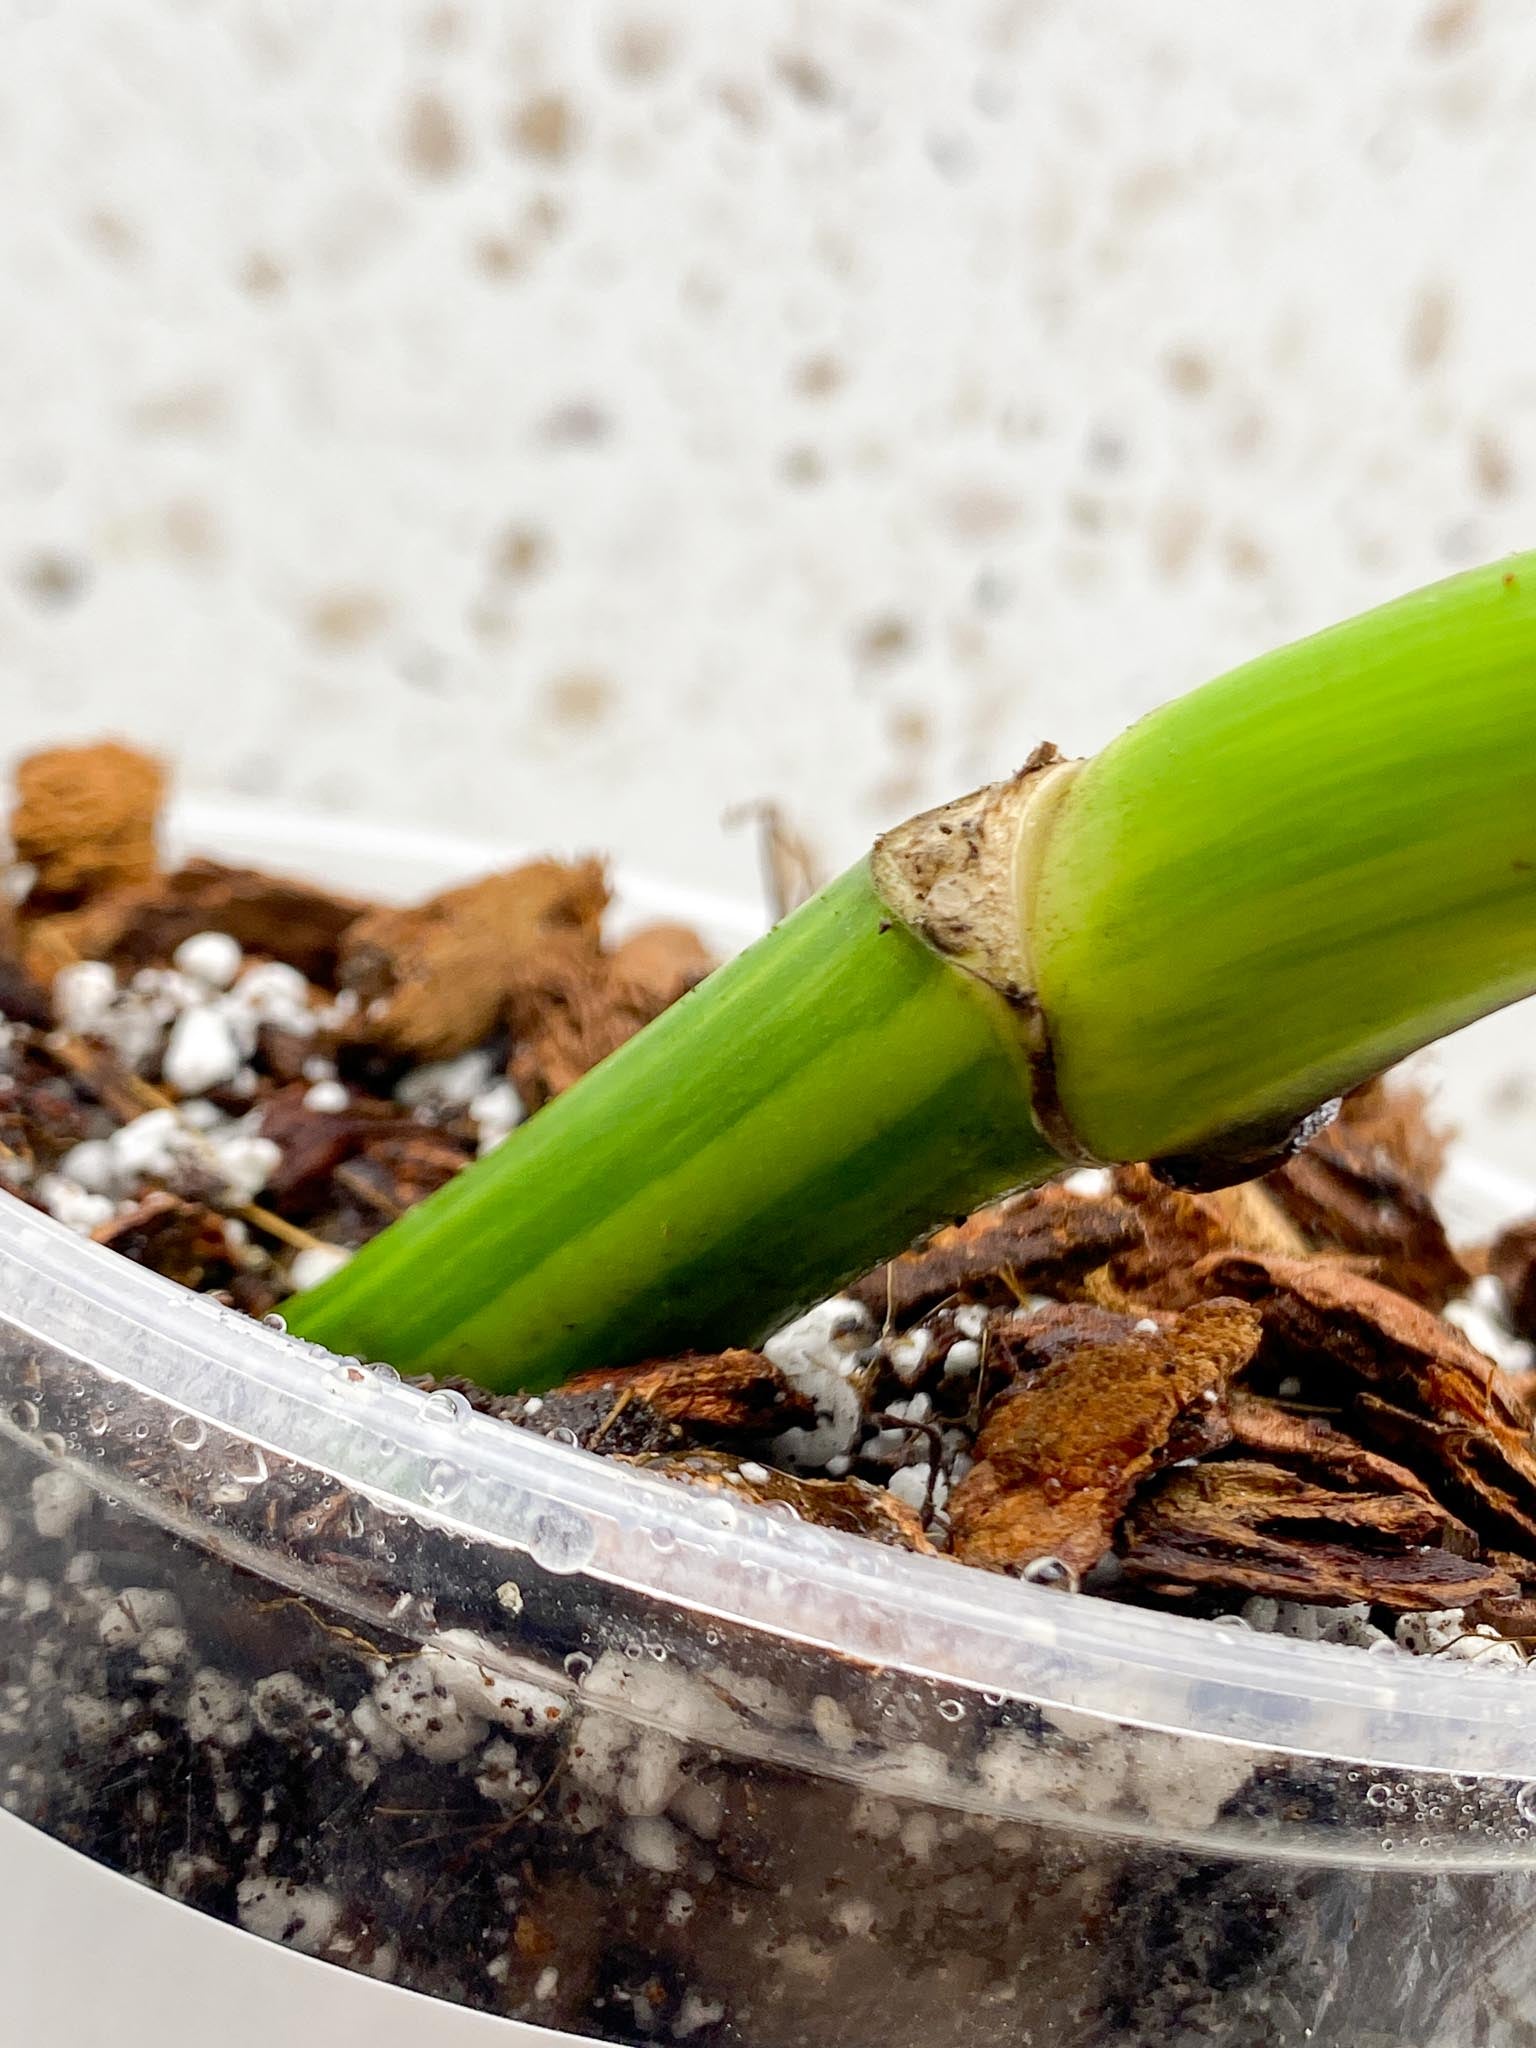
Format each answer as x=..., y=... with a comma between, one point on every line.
x=569, y=420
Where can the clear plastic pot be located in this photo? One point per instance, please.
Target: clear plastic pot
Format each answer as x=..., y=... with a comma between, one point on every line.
x=481, y=1717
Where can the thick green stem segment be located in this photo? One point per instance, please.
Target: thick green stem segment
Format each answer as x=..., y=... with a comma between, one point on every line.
x=1277, y=885
x=1260, y=895
x=819, y=1100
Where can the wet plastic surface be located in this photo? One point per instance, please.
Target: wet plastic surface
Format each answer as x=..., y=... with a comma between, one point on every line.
x=484, y=1717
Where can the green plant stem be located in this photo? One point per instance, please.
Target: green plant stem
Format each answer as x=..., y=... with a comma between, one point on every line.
x=1256, y=898
x=1276, y=886
x=824, y=1096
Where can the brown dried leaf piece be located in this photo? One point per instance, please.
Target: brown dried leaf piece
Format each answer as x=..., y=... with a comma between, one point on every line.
x=1433, y=1396
x=846, y=1504
x=1512, y=1261
x=1241, y=1526
x=1035, y=1243
x=1364, y=1186
x=267, y=914
x=1177, y=1229
x=573, y=1006
x=733, y=1393
x=183, y=1240
x=1058, y=1457
x=85, y=820
x=435, y=979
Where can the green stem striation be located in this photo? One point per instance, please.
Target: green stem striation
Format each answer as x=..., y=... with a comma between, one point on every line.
x=1279, y=884
x=823, y=1097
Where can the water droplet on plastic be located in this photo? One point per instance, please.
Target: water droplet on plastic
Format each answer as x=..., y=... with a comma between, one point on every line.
x=386, y=1373
x=140, y=1432
x=189, y=1432
x=1054, y=1572
x=25, y=1415
x=712, y=1638
x=1388, y=1844
x=1525, y=1802
x=577, y=1665
x=565, y=1436
x=562, y=1540
x=446, y=1407
x=445, y=1483
x=96, y=1422
x=1377, y=1795
x=274, y=1321
x=994, y=1699
x=951, y=1710
x=663, y=1539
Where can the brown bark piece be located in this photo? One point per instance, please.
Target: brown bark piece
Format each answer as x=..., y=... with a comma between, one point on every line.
x=435, y=979
x=1039, y=1242
x=1037, y=1337
x=850, y=1505
x=1318, y=1308
x=573, y=1006
x=732, y=1393
x=1364, y=1186
x=268, y=914
x=1246, y=1527
x=183, y=1240
x=1431, y=1396
x=1059, y=1456
x=85, y=820
x=1315, y=1445
x=1512, y=1261
x=1178, y=1228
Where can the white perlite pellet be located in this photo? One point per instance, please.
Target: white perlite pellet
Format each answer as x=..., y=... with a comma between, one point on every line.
x=446, y=1084
x=694, y=2011
x=301, y=1916
x=464, y=1663
x=817, y=1353
x=1482, y=1314
x=425, y=1714
x=210, y=957
x=58, y=1501
x=218, y=1711
x=653, y=1842
x=905, y=1354
x=67, y=1201
x=315, y=1263
x=962, y=1357
x=328, y=1097
x=201, y=1053
x=136, y=1610
x=910, y=1486
x=495, y=1113
x=83, y=993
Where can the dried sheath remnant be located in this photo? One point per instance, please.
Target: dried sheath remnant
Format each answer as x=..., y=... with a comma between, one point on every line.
x=85, y=820
x=434, y=980
x=1059, y=1457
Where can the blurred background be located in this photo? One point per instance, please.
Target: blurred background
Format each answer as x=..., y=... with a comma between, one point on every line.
x=569, y=420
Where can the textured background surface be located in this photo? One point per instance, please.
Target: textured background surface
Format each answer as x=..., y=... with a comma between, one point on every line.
x=568, y=420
